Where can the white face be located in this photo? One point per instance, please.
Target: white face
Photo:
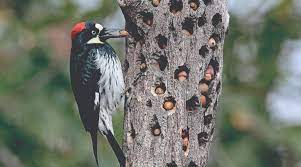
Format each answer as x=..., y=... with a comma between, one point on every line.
x=95, y=39
x=99, y=27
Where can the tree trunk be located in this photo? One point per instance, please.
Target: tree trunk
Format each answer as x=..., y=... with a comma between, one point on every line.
x=173, y=70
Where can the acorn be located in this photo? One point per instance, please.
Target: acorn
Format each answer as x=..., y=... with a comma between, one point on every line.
x=149, y=22
x=168, y=105
x=182, y=76
x=193, y=6
x=208, y=77
x=185, y=141
x=143, y=67
x=212, y=42
x=203, y=88
x=123, y=33
x=157, y=132
x=209, y=73
x=159, y=90
x=155, y=2
x=203, y=100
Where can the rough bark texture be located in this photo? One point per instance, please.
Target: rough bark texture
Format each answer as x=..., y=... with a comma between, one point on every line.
x=167, y=37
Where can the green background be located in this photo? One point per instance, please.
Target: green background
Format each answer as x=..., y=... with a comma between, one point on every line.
x=39, y=122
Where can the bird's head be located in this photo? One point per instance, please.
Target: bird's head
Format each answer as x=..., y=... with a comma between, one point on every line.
x=93, y=33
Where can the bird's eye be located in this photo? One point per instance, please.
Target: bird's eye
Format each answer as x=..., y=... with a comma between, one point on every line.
x=93, y=32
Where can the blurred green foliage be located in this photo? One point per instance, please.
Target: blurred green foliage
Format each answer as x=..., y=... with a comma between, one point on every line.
x=39, y=123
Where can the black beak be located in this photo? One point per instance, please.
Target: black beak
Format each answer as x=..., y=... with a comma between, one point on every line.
x=113, y=33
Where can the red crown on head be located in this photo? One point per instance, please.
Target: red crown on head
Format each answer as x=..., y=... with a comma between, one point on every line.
x=79, y=27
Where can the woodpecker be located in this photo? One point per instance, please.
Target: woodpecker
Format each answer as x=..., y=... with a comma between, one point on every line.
x=97, y=80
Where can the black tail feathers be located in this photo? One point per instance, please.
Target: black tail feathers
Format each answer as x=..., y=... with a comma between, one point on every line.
x=116, y=148
x=94, y=144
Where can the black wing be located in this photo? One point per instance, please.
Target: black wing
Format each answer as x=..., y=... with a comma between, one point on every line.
x=84, y=77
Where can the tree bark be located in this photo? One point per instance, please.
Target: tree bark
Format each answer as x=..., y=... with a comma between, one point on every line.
x=175, y=50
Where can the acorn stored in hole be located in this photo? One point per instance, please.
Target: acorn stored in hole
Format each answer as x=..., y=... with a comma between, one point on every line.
x=143, y=67
x=149, y=22
x=159, y=91
x=209, y=73
x=182, y=76
x=203, y=88
x=185, y=141
x=193, y=6
x=212, y=42
x=168, y=105
x=208, y=77
x=203, y=100
x=156, y=2
x=157, y=132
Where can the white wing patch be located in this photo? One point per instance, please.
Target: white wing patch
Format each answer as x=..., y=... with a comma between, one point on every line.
x=96, y=100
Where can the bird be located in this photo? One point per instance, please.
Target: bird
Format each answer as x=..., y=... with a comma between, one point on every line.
x=97, y=81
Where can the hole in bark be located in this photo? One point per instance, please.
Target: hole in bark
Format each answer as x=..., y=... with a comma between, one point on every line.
x=213, y=41
x=202, y=138
x=204, y=87
x=126, y=65
x=129, y=90
x=207, y=2
x=208, y=119
x=149, y=103
x=142, y=60
x=160, y=88
x=162, y=61
x=187, y=26
x=214, y=63
x=193, y=103
x=185, y=137
x=194, y=4
x=192, y=164
x=175, y=6
x=143, y=67
x=155, y=127
x=132, y=131
x=202, y=20
x=216, y=19
x=155, y=3
x=185, y=133
x=182, y=73
x=147, y=18
x=169, y=103
x=203, y=51
x=136, y=32
x=162, y=41
x=171, y=27
x=172, y=164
